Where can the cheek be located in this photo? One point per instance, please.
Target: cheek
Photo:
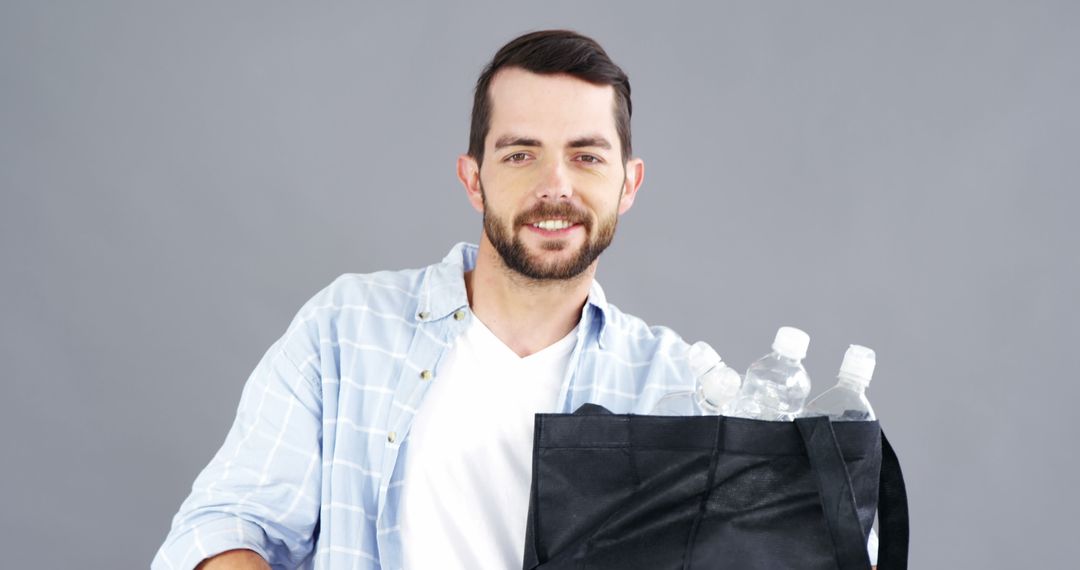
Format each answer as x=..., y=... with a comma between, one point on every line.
x=502, y=185
x=599, y=189
x=599, y=180
x=519, y=180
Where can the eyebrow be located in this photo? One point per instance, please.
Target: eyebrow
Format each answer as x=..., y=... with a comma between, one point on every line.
x=512, y=140
x=597, y=141
x=580, y=142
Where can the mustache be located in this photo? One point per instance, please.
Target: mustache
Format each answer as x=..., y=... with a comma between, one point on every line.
x=546, y=211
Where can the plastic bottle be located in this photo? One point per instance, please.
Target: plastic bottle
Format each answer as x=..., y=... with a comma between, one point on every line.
x=776, y=384
x=717, y=384
x=847, y=400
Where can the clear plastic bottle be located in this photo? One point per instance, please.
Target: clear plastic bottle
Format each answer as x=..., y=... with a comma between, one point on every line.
x=717, y=384
x=847, y=400
x=776, y=385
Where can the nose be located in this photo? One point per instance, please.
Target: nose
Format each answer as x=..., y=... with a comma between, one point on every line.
x=555, y=182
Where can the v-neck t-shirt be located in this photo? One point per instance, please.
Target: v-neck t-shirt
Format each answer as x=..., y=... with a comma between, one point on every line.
x=469, y=452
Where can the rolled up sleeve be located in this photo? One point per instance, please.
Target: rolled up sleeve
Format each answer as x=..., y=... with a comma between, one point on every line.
x=261, y=490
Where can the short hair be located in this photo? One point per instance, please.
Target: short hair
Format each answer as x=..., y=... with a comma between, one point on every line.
x=550, y=52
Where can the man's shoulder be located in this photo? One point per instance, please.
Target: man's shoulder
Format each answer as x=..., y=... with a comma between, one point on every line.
x=380, y=285
x=402, y=288
x=626, y=332
x=391, y=293
x=634, y=364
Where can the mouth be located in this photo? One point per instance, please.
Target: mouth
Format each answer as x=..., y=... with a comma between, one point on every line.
x=553, y=227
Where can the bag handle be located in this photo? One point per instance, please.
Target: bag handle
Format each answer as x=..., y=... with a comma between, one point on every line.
x=892, y=512
x=837, y=496
x=838, y=500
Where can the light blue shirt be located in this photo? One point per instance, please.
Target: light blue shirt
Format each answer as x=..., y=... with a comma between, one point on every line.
x=309, y=474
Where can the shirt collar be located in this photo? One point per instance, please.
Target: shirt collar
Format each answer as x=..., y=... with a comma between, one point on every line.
x=444, y=290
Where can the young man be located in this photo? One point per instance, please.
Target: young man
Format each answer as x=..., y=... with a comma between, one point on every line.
x=391, y=425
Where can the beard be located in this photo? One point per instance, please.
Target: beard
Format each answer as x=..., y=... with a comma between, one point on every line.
x=516, y=256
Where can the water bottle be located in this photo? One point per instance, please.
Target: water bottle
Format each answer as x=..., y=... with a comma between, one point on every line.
x=717, y=384
x=776, y=385
x=847, y=400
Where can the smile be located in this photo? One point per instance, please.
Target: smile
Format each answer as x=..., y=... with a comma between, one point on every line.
x=552, y=225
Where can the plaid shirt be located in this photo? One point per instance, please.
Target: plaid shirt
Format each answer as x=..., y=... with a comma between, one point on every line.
x=309, y=474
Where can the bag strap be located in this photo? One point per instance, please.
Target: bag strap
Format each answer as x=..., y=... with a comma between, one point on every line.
x=837, y=496
x=838, y=500
x=892, y=512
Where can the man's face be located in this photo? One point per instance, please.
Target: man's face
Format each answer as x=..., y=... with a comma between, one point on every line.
x=553, y=179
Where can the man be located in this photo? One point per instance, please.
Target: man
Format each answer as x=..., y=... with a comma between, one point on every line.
x=391, y=425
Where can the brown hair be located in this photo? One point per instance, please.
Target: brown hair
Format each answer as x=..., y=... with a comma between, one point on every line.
x=550, y=52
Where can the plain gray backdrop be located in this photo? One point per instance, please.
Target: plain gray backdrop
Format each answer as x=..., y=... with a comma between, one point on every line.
x=178, y=178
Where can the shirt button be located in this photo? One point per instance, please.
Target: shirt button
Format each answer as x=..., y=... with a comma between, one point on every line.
x=391, y=437
x=459, y=314
x=424, y=315
x=425, y=375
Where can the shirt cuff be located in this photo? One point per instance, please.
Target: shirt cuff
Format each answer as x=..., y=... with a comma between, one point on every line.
x=186, y=548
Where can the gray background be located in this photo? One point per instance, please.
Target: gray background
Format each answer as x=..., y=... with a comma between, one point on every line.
x=178, y=178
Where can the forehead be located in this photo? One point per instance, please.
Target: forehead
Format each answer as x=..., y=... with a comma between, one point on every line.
x=549, y=106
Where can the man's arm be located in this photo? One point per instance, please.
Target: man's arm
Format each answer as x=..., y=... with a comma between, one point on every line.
x=261, y=491
x=235, y=560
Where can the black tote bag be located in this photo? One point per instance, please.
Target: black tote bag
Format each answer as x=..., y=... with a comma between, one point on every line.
x=692, y=493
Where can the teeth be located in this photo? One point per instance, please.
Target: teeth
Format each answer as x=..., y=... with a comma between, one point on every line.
x=552, y=225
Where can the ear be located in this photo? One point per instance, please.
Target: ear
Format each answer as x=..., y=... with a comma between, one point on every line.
x=468, y=172
x=635, y=173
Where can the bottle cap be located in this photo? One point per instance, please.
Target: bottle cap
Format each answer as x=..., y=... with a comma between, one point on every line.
x=702, y=358
x=791, y=343
x=721, y=384
x=858, y=364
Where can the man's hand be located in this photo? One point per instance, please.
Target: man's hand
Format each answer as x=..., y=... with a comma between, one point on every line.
x=241, y=559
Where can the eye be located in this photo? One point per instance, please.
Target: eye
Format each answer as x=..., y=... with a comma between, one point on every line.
x=590, y=159
x=517, y=157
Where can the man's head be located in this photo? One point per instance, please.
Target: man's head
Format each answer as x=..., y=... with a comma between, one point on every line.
x=549, y=153
x=552, y=52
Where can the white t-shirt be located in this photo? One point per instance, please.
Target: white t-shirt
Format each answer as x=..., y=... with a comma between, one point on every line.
x=468, y=460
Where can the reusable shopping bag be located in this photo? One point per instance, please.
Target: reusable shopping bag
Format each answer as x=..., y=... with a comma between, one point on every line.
x=711, y=492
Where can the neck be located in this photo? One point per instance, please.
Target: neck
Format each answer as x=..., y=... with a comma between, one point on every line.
x=527, y=315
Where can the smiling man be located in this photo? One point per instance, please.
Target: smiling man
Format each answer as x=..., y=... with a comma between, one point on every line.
x=391, y=425
x=565, y=182
x=551, y=181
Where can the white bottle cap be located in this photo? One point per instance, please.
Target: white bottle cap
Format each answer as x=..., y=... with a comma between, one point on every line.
x=791, y=343
x=702, y=358
x=858, y=364
x=721, y=384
